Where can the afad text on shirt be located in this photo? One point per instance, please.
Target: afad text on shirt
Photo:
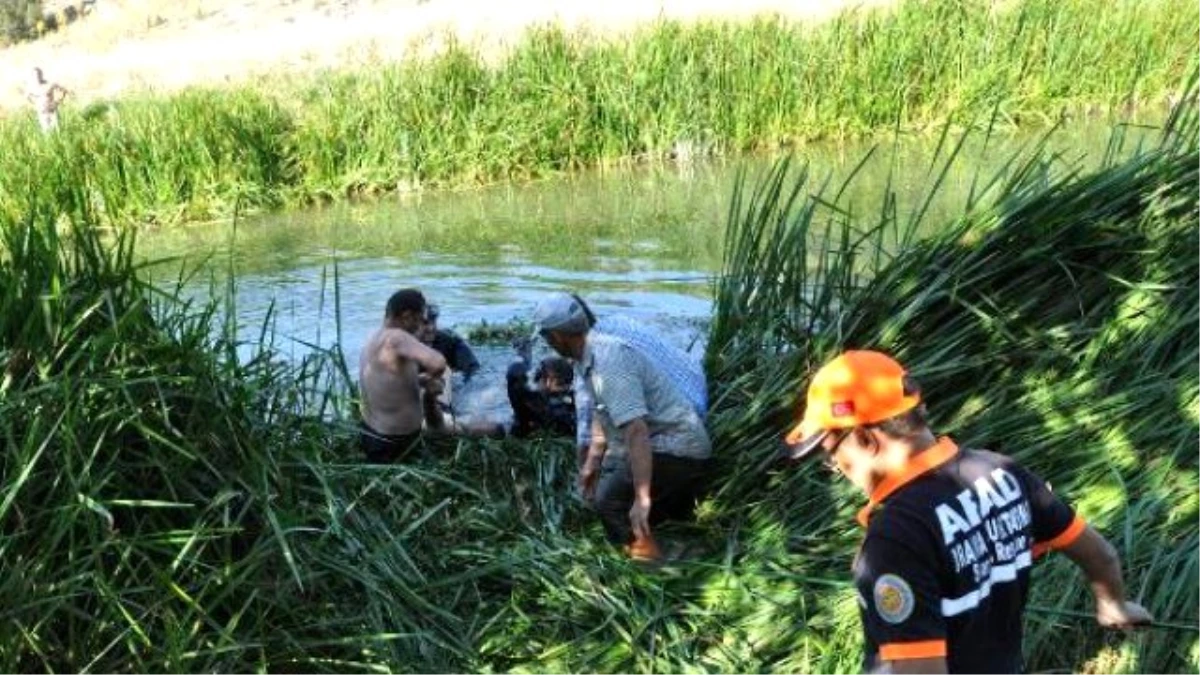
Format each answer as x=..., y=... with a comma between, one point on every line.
x=993, y=507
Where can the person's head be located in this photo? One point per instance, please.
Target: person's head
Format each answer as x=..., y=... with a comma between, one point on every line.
x=864, y=415
x=554, y=375
x=563, y=321
x=587, y=311
x=428, y=330
x=406, y=309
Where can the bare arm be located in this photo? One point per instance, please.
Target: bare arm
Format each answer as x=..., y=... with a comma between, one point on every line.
x=585, y=420
x=402, y=345
x=1102, y=566
x=641, y=465
x=591, y=458
x=599, y=444
x=430, y=405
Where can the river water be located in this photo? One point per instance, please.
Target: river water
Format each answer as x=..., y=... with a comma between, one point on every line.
x=643, y=241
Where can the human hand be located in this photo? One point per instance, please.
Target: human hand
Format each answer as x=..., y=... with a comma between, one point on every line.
x=639, y=518
x=589, y=475
x=1122, y=615
x=433, y=386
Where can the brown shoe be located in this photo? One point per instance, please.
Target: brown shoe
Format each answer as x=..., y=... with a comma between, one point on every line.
x=644, y=548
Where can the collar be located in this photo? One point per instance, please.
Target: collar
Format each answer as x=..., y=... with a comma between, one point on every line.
x=588, y=358
x=936, y=455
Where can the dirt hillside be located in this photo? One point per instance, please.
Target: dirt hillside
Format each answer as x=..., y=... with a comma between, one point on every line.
x=136, y=45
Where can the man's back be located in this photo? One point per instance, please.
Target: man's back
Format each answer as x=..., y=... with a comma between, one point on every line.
x=682, y=371
x=946, y=560
x=389, y=385
x=626, y=383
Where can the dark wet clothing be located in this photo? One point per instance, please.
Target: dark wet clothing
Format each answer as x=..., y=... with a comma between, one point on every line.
x=457, y=352
x=388, y=448
x=535, y=410
x=944, y=570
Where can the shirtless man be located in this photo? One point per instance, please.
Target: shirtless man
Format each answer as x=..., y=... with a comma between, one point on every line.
x=396, y=397
x=45, y=98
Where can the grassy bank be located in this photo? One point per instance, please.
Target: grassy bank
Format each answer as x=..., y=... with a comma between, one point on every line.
x=166, y=506
x=1055, y=321
x=563, y=101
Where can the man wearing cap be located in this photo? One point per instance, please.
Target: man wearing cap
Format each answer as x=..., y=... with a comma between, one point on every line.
x=682, y=372
x=656, y=451
x=951, y=534
x=400, y=379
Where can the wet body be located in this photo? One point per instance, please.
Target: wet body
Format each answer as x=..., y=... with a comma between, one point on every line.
x=399, y=379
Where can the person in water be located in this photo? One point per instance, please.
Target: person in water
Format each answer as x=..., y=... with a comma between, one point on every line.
x=400, y=379
x=459, y=356
x=546, y=406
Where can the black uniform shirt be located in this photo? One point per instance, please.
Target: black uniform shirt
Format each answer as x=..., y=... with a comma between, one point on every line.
x=944, y=567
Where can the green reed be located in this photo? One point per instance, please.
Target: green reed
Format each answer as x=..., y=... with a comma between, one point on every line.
x=560, y=101
x=1055, y=321
x=172, y=499
x=172, y=502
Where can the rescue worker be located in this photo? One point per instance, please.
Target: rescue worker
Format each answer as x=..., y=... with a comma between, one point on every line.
x=951, y=534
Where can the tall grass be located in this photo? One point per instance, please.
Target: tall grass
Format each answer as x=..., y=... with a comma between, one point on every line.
x=560, y=101
x=1055, y=321
x=168, y=505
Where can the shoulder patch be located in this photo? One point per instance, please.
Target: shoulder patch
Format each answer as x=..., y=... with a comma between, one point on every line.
x=893, y=598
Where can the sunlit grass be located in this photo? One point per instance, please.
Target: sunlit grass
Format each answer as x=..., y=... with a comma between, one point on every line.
x=560, y=101
x=169, y=503
x=1023, y=320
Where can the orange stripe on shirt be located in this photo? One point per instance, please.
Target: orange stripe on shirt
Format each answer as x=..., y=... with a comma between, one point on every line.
x=925, y=649
x=1063, y=540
